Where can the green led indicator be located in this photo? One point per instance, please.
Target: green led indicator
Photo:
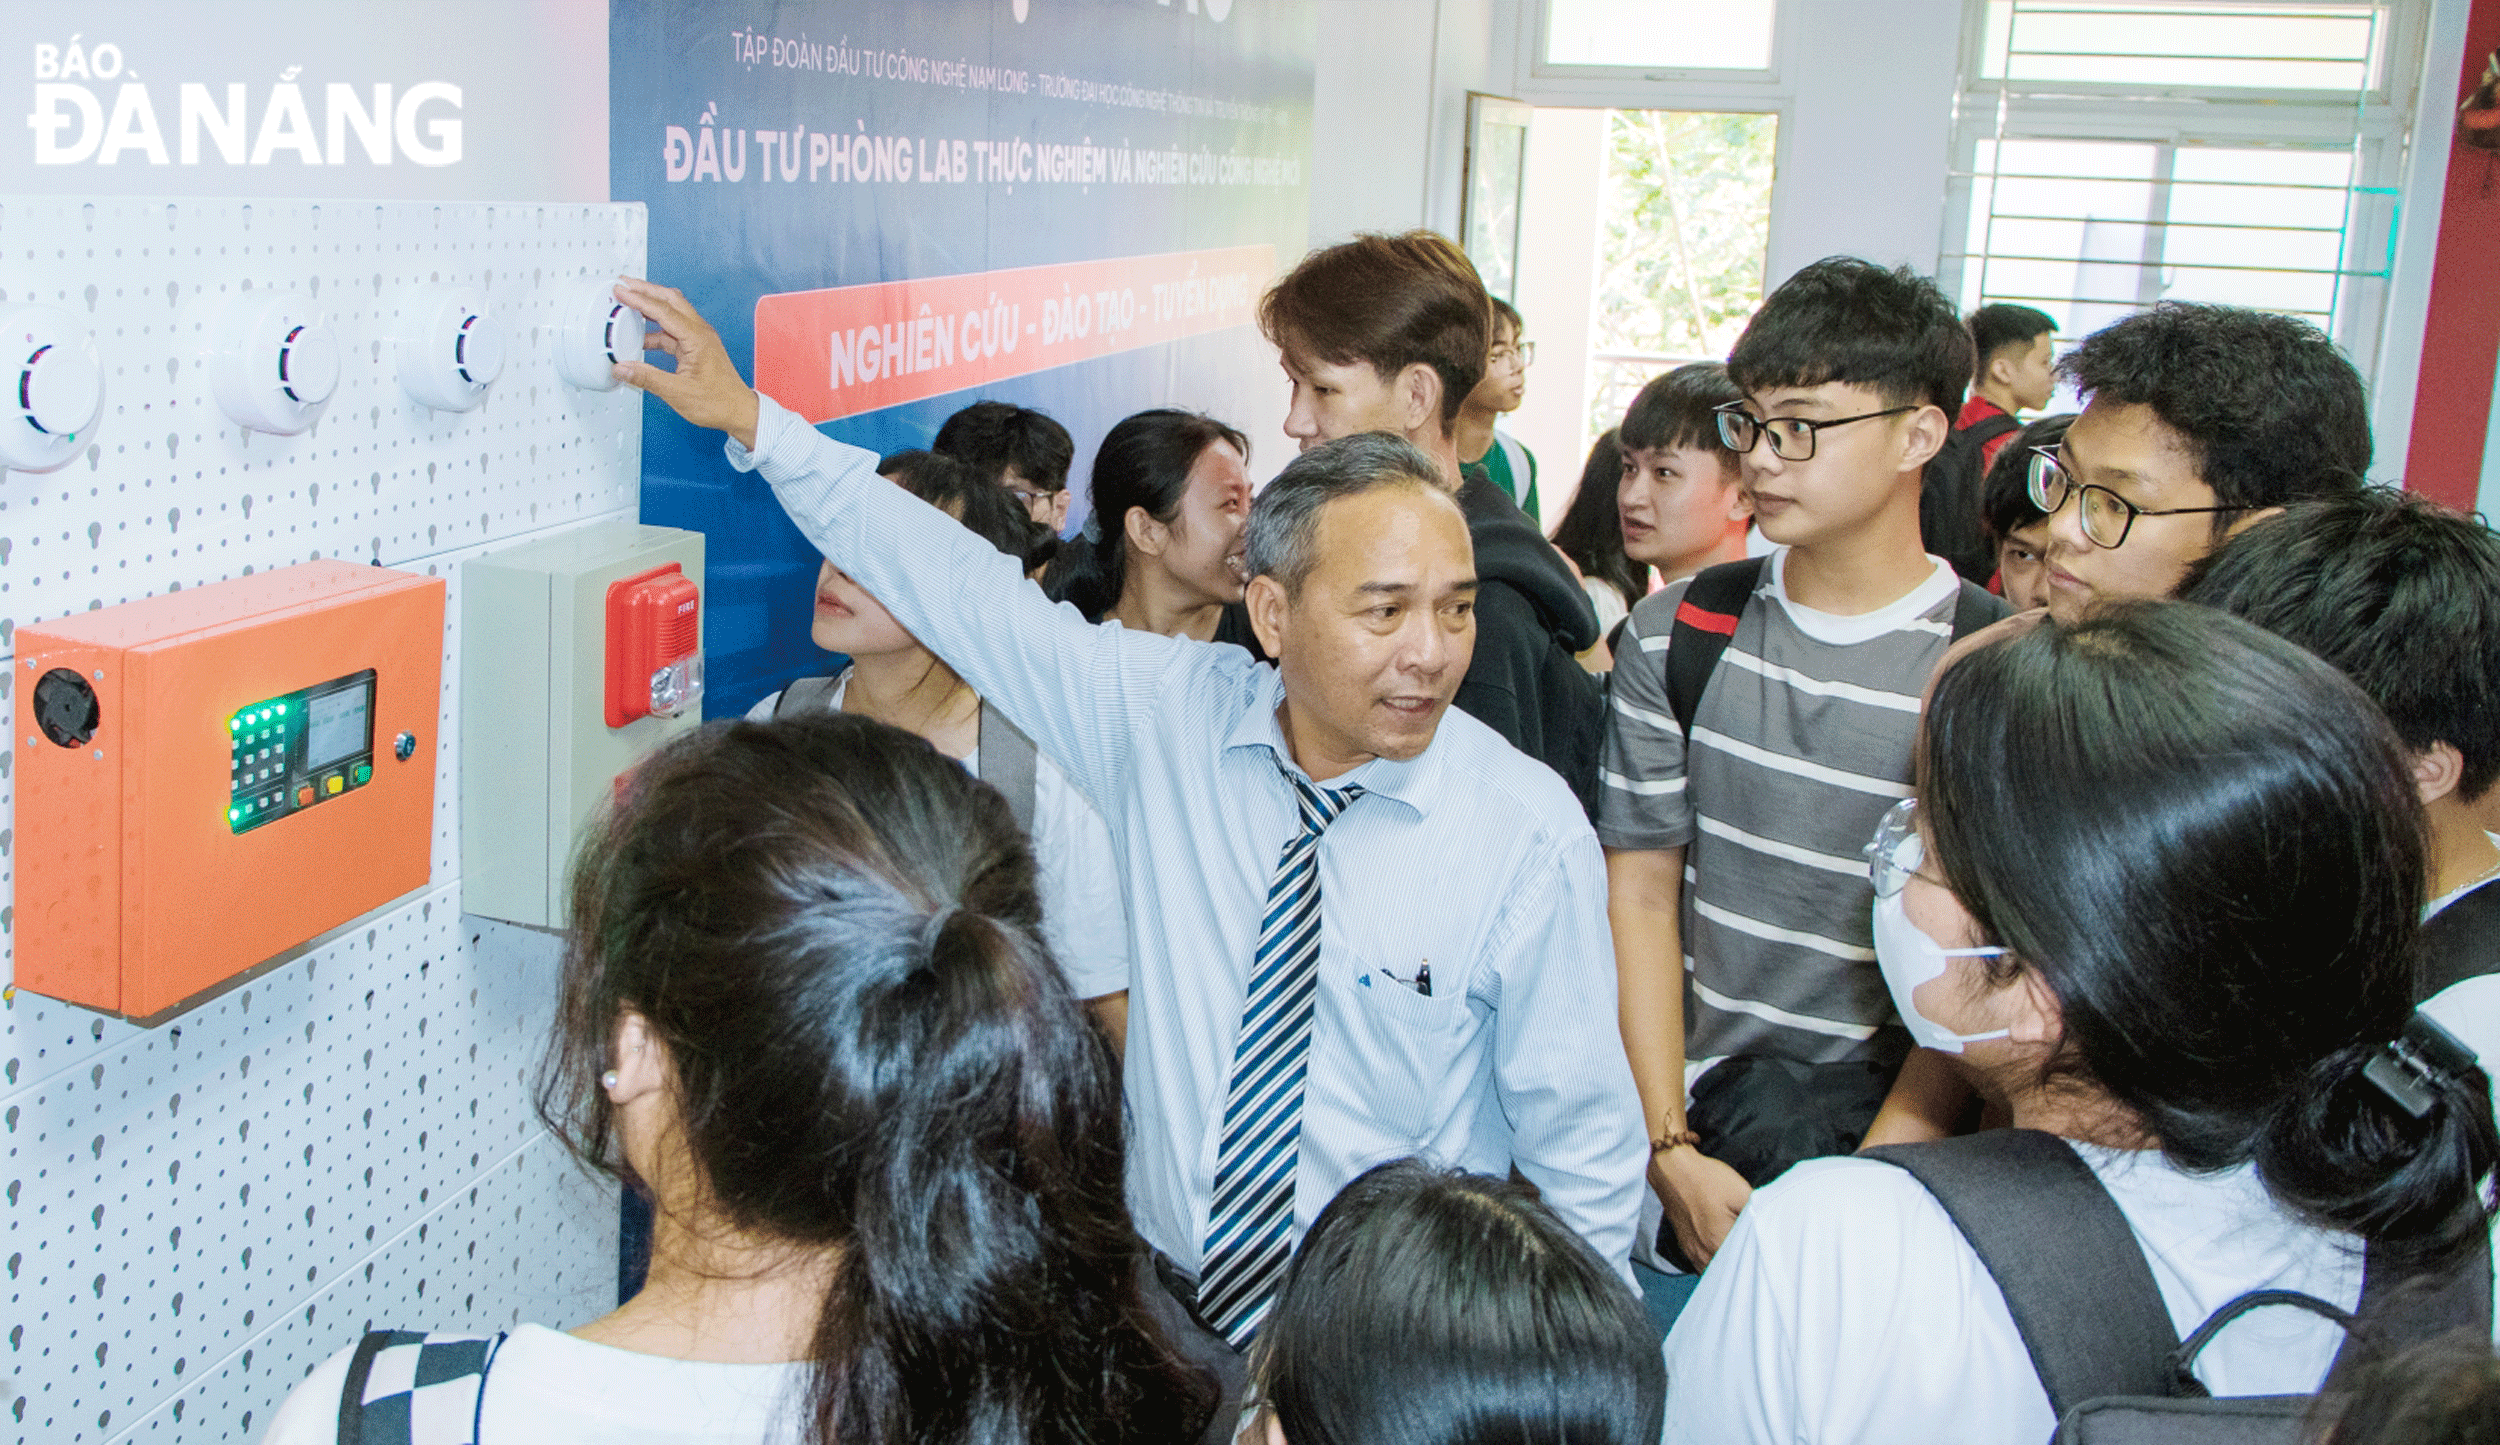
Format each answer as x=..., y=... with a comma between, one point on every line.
x=282, y=709
x=233, y=813
x=234, y=725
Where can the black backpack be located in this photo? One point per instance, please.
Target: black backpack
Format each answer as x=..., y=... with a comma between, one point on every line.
x=2081, y=1293
x=1948, y=499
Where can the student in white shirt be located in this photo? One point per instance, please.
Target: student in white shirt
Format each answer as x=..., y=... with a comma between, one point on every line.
x=808, y=1011
x=2158, y=889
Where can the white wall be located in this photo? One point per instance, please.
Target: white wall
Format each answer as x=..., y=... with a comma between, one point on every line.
x=1389, y=110
x=1463, y=60
x=1557, y=289
x=1371, y=112
x=1868, y=133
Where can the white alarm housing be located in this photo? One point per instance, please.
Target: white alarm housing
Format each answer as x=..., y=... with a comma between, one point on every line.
x=53, y=383
x=274, y=364
x=450, y=349
x=598, y=332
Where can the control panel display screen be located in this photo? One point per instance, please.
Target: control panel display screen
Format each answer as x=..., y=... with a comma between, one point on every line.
x=336, y=724
x=299, y=751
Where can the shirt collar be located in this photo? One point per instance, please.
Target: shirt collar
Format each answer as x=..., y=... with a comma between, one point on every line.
x=1414, y=782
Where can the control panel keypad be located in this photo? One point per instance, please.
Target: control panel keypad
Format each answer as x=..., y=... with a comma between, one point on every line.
x=294, y=752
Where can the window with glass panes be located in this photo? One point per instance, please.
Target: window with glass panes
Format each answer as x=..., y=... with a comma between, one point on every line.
x=2114, y=154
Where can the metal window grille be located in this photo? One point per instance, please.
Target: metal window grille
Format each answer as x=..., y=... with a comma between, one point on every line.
x=2111, y=154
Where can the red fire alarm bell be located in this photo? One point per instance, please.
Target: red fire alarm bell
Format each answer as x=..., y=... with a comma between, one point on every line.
x=655, y=637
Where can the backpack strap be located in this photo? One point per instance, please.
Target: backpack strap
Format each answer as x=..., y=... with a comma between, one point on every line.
x=1704, y=623
x=1008, y=763
x=2450, y=940
x=1975, y=607
x=2063, y=1254
x=391, y=1368
x=806, y=696
x=1983, y=432
x=2403, y=1307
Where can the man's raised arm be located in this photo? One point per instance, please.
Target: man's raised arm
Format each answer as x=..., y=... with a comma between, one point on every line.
x=1067, y=683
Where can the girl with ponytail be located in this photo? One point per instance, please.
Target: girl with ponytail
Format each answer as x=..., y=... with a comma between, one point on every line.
x=806, y=1009
x=1161, y=550
x=2158, y=888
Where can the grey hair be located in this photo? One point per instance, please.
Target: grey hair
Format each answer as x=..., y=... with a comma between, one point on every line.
x=1284, y=521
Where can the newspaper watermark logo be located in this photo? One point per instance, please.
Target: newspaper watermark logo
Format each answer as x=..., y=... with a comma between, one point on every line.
x=91, y=107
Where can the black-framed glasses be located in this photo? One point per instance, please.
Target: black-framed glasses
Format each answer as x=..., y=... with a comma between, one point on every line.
x=2106, y=516
x=1524, y=353
x=1792, y=437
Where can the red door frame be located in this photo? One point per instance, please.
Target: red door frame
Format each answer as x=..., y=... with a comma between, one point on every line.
x=2461, y=335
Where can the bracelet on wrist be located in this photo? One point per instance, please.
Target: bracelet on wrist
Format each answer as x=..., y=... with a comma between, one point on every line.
x=1672, y=1140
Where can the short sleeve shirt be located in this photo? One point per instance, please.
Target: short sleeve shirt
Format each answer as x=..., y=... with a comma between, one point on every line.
x=1800, y=743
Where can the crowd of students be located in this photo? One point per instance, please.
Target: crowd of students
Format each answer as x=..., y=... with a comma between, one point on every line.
x=1392, y=946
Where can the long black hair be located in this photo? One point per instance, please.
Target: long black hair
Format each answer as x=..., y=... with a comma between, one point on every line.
x=1435, y=1307
x=2208, y=845
x=833, y=931
x=989, y=510
x=1144, y=462
x=1591, y=530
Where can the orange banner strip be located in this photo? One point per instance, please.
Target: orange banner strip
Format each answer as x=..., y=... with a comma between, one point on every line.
x=852, y=349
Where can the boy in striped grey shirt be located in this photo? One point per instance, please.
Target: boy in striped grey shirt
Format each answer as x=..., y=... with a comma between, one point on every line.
x=1737, y=893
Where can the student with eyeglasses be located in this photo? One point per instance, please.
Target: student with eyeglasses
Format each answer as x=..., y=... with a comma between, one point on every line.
x=1503, y=458
x=2113, y=899
x=1757, y=770
x=2198, y=420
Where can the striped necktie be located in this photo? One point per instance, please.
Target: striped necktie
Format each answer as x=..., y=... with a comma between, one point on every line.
x=1250, y=1222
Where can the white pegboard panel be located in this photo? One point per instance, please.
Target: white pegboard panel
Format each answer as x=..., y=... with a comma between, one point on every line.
x=205, y=1213
x=347, y=1138
x=170, y=493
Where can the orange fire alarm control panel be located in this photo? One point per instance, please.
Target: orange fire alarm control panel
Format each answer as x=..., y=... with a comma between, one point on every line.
x=209, y=778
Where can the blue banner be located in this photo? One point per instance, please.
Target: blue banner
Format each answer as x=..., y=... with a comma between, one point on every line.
x=801, y=158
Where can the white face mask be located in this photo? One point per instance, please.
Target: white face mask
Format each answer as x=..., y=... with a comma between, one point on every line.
x=1910, y=958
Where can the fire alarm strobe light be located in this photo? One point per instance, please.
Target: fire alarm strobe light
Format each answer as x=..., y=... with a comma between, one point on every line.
x=53, y=384
x=655, y=639
x=599, y=331
x=274, y=364
x=450, y=349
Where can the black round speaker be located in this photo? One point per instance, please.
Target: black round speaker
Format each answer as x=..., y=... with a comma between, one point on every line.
x=65, y=708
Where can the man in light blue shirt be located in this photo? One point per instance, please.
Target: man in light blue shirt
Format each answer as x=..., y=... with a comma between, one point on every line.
x=1465, y=1005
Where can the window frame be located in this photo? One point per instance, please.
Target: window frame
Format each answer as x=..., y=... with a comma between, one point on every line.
x=2373, y=126
x=1591, y=87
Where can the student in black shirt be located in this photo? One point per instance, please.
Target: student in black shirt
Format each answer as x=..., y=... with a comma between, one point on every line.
x=1161, y=550
x=2403, y=596
x=1391, y=333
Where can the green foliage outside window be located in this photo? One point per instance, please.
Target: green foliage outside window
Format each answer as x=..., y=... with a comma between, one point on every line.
x=1686, y=219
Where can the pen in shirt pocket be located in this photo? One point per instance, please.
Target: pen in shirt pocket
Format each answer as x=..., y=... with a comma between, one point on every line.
x=1421, y=982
